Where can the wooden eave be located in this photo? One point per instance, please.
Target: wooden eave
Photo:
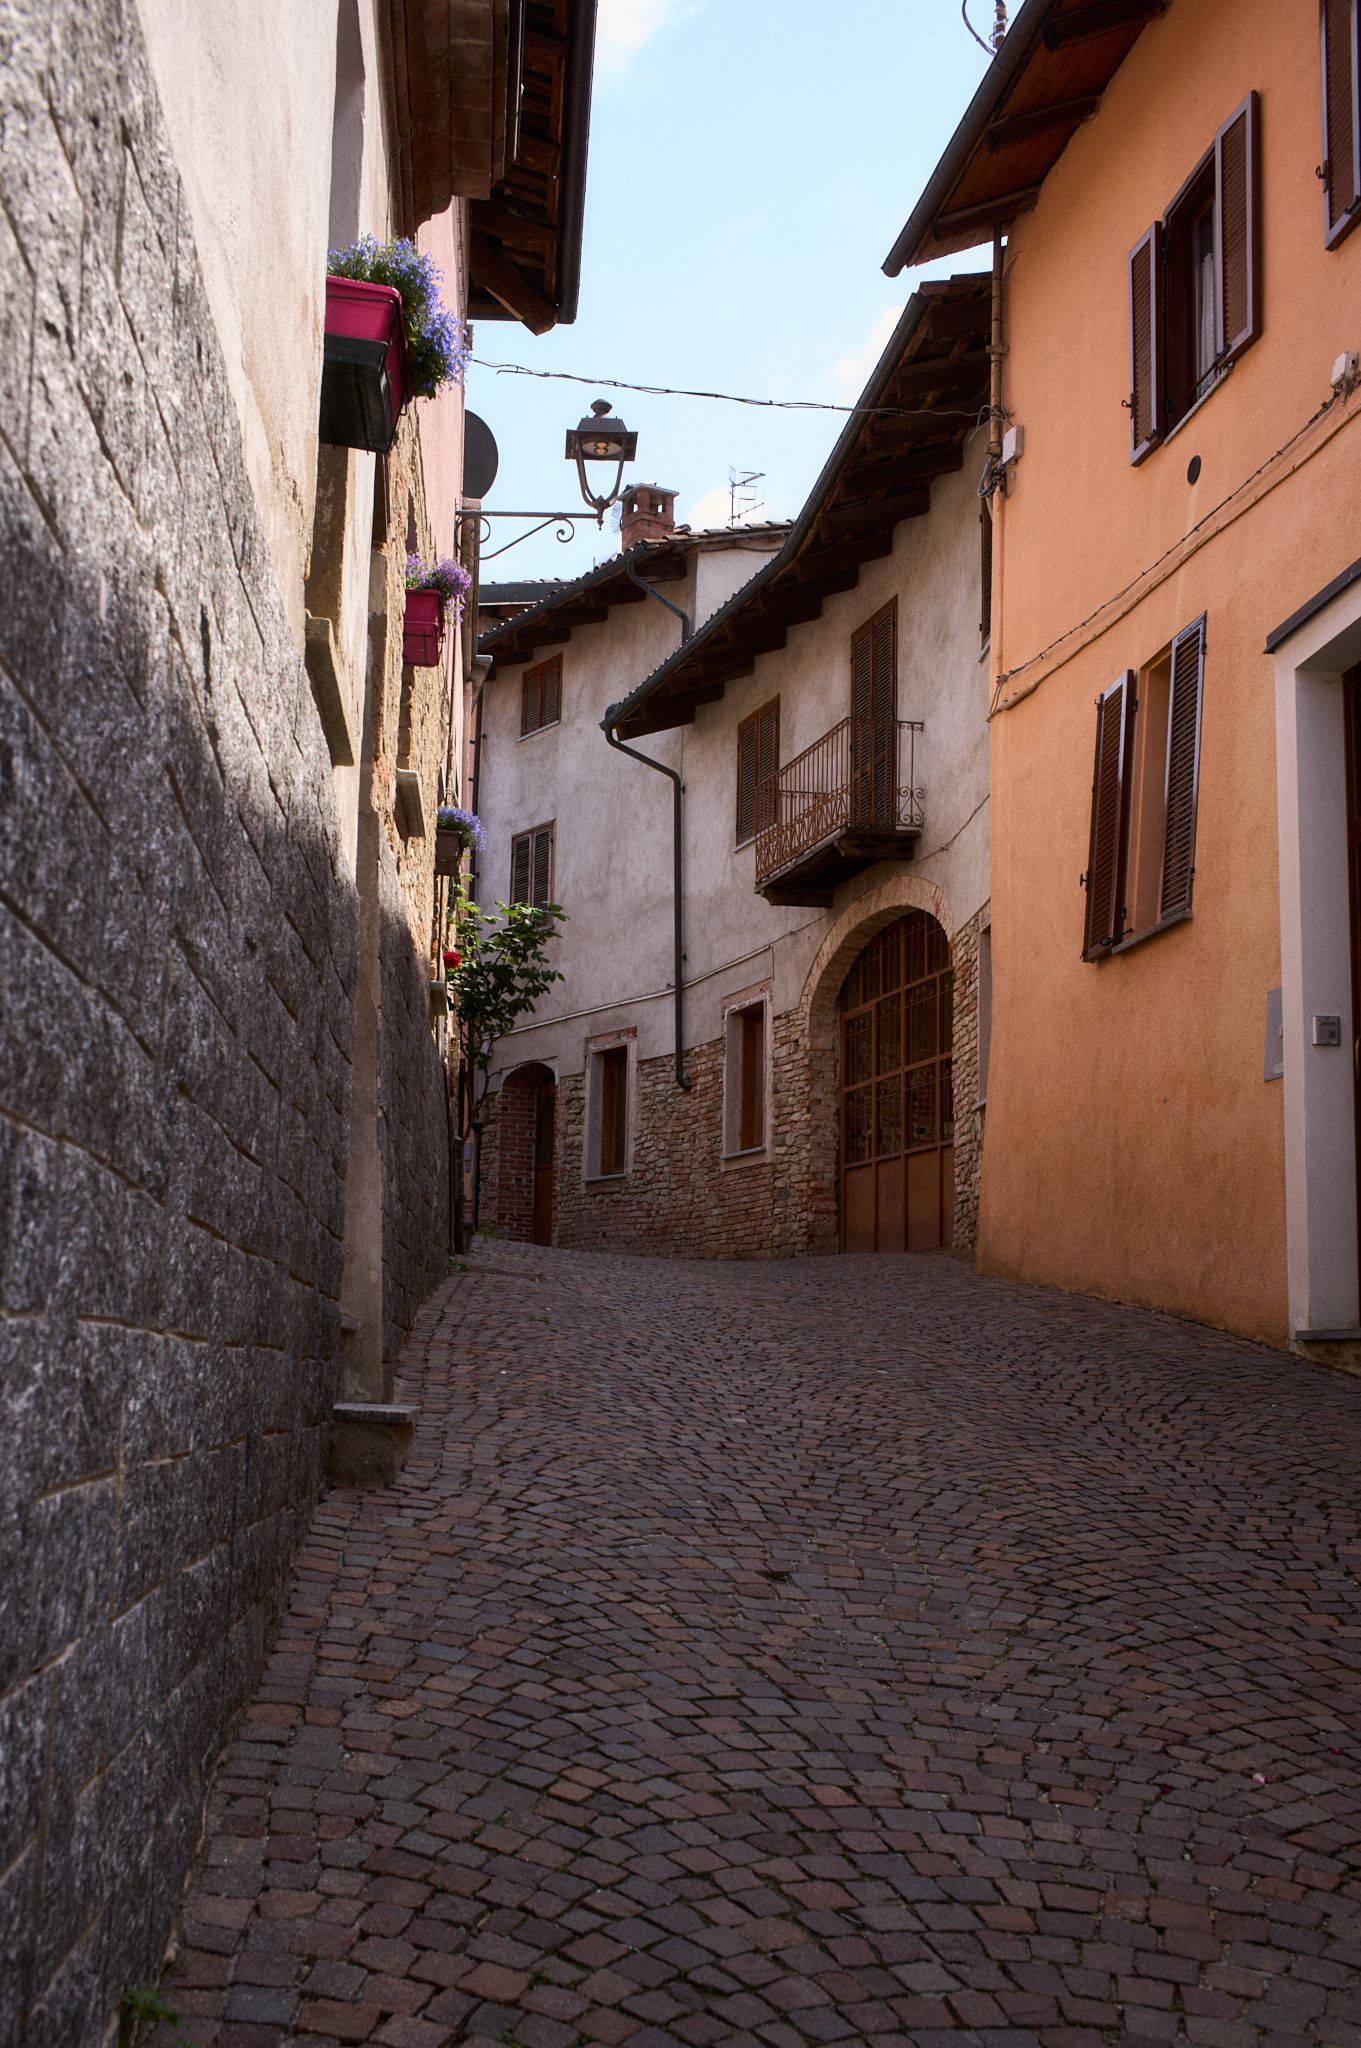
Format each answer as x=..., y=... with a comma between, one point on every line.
x=587, y=601
x=525, y=253
x=1045, y=81
x=936, y=369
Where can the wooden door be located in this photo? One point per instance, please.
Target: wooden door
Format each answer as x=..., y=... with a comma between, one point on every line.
x=545, y=1111
x=874, y=711
x=1351, y=685
x=897, y=1094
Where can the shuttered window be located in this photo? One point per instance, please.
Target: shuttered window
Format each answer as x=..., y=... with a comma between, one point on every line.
x=541, y=695
x=1110, y=819
x=758, y=760
x=1340, y=28
x=744, y=1079
x=613, y=1083
x=1183, y=770
x=985, y=577
x=1145, y=790
x=1195, y=283
x=531, y=867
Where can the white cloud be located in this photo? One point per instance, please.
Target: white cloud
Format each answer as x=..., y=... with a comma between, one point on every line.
x=850, y=373
x=624, y=27
x=713, y=509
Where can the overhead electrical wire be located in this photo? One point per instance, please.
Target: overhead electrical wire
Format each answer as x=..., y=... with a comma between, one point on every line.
x=899, y=412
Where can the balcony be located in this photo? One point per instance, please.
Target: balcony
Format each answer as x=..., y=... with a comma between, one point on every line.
x=849, y=799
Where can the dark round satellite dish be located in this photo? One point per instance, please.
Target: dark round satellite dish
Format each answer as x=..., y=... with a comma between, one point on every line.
x=481, y=457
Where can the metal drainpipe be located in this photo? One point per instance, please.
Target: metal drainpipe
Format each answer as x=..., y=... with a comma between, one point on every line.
x=677, y=867
x=996, y=352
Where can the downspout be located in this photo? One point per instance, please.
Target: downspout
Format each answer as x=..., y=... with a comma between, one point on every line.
x=996, y=352
x=677, y=868
x=996, y=472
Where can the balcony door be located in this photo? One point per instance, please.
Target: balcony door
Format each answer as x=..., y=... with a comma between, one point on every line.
x=874, y=712
x=897, y=1093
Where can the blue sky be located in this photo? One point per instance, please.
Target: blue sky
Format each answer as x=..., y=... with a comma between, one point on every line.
x=751, y=163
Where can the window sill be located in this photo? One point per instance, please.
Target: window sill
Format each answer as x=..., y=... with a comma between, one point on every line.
x=535, y=730
x=754, y=1155
x=1151, y=931
x=605, y=1180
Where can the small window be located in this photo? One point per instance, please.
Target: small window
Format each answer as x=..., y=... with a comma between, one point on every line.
x=985, y=546
x=608, y=1113
x=1141, y=857
x=541, y=695
x=1340, y=171
x=758, y=762
x=1194, y=285
x=531, y=867
x=745, y=1079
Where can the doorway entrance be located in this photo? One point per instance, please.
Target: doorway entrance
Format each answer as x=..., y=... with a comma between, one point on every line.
x=896, y=1011
x=525, y=1180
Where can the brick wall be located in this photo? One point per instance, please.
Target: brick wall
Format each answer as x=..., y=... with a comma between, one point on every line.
x=679, y=1200
x=511, y=1181
x=177, y=946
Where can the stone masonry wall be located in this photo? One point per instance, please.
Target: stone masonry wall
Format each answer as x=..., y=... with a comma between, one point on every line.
x=968, y=1113
x=178, y=950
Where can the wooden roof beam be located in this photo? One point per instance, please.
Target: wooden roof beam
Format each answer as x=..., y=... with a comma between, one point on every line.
x=989, y=213
x=879, y=514
x=1099, y=19
x=1001, y=134
x=492, y=273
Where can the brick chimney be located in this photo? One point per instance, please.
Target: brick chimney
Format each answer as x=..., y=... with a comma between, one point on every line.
x=649, y=513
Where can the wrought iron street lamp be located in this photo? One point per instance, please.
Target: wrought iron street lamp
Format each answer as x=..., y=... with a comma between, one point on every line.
x=599, y=438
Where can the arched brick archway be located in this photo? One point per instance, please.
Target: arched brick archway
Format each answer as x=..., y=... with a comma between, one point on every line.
x=815, y=1034
x=525, y=1154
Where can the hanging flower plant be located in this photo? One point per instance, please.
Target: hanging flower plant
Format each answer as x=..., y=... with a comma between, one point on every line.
x=448, y=579
x=466, y=824
x=438, y=342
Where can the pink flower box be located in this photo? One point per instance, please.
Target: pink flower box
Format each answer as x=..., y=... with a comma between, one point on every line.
x=365, y=379
x=423, y=629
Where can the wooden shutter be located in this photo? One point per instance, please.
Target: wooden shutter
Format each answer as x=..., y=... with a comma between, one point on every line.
x=1183, y=770
x=1340, y=30
x=552, y=691
x=884, y=676
x=520, y=867
x=1105, y=877
x=767, y=764
x=543, y=867
x=752, y=1059
x=985, y=591
x=748, y=754
x=1145, y=343
x=529, y=701
x=613, y=1076
x=1238, y=317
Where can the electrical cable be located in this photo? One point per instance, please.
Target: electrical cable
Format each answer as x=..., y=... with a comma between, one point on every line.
x=893, y=412
x=1009, y=675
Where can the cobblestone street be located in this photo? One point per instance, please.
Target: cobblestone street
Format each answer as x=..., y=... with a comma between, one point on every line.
x=849, y=1650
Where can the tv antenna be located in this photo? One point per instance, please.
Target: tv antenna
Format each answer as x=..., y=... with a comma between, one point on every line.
x=999, y=27
x=743, y=496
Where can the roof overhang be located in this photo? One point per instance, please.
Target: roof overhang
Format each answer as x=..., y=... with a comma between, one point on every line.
x=926, y=395
x=589, y=600
x=493, y=104
x=1045, y=81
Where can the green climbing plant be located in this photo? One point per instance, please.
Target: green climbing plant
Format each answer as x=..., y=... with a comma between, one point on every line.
x=498, y=973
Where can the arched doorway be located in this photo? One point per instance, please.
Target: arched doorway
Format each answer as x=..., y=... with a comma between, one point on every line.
x=897, y=1124
x=526, y=1120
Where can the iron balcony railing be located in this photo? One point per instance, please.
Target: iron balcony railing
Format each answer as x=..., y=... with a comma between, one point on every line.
x=861, y=777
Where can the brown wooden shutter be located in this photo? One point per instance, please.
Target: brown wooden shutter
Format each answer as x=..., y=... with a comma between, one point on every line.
x=752, y=1056
x=1105, y=877
x=1183, y=770
x=1340, y=30
x=519, y=868
x=884, y=681
x=552, y=691
x=748, y=754
x=1237, y=229
x=767, y=763
x=862, y=674
x=613, y=1075
x=543, y=866
x=1145, y=343
x=985, y=593
x=529, y=698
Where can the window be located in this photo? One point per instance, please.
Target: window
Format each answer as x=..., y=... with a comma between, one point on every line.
x=985, y=598
x=531, y=867
x=758, y=759
x=607, y=1110
x=541, y=695
x=1340, y=25
x=1141, y=860
x=1195, y=285
x=745, y=1078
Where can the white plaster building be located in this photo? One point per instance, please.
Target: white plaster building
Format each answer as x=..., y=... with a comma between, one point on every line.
x=829, y=726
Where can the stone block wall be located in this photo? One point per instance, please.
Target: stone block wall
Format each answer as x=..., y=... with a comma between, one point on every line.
x=968, y=1110
x=413, y=1123
x=177, y=953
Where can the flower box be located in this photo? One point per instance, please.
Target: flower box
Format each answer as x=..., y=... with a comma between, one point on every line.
x=449, y=849
x=423, y=629
x=365, y=377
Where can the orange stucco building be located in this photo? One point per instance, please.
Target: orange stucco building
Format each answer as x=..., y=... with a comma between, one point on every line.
x=1172, y=1096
